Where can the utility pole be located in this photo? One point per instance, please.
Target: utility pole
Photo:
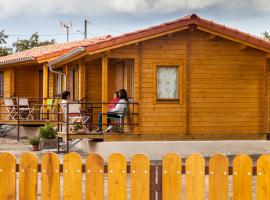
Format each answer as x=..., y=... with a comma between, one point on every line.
x=85, y=28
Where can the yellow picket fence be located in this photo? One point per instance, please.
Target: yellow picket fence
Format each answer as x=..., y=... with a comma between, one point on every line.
x=66, y=178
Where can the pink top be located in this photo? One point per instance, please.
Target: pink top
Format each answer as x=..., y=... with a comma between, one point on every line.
x=113, y=103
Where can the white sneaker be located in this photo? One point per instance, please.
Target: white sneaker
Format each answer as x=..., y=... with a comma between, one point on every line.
x=108, y=129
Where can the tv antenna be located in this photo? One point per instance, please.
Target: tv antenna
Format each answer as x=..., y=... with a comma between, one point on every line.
x=67, y=26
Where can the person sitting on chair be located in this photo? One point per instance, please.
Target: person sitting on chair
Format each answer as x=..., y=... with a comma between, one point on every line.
x=115, y=112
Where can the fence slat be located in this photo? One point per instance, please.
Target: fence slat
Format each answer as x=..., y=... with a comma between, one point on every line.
x=94, y=188
x=218, y=177
x=72, y=173
x=140, y=177
x=171, y=177
x=7, y=176
x=50, y=177
x=263, y=177
x=195, y=177
x=242, y=177
x=117, y=177
x=28, y=176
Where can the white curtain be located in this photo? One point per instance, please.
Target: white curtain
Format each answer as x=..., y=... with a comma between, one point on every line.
x=167, y=82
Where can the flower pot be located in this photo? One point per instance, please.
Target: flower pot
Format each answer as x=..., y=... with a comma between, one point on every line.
x=35, y=147
x=48, y=143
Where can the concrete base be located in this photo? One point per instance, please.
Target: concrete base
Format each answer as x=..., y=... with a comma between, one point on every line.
x=25, y=132
x=156, y=150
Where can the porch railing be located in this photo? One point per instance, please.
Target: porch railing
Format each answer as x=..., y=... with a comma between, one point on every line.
x=39, y=112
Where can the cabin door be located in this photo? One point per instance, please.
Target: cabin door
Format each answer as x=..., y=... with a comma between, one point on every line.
x=125, y=77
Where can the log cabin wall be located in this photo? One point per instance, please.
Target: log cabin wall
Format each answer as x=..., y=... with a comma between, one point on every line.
x=226, y=87
x=27, y=82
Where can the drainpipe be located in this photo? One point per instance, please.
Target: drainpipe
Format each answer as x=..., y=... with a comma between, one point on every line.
x=57, y=72
x=62, y=58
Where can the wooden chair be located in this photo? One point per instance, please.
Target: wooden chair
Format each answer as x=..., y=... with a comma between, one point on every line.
x=75, y=116
x=11, y=109
x=25, y=111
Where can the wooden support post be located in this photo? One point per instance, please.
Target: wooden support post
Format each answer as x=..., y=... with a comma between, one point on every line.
x=104, y=90
x=45, y=87
x=82, y=80
x=9, y=77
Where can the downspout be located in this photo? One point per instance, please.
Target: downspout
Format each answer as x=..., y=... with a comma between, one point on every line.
x=57, y=72
x=73, y=53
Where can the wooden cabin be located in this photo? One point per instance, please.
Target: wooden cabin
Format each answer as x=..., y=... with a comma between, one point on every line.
x=186, y=79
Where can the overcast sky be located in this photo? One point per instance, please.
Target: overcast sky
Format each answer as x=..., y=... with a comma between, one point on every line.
x=21, y=18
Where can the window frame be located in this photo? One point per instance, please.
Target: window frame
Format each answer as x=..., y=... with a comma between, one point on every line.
x=58, y=89
x=179, y=83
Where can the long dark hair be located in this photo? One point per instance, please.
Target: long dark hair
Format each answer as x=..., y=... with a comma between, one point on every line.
x=123, y=94
x=65, y=95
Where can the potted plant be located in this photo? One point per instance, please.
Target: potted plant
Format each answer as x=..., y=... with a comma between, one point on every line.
x=34, y=141
x=48, y=137
x=77, y=128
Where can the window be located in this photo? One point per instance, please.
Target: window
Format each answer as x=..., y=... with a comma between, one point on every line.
x=1, y=84
x=125, y=77
x=58, y=80
x=167, y=83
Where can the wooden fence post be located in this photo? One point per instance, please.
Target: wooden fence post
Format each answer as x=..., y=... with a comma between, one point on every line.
x=50, y=177
x=218, y=177
x=171, y=177
x=72, y=173
x=242, y=177
x=28, y=176
x=140, y=177
x=7, y=176
x=263, y=177
x=117, y=177
x=94, y=169
x=195, y=177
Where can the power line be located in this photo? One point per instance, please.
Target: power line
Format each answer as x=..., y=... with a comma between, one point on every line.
x=48, y=34
x=104, y=27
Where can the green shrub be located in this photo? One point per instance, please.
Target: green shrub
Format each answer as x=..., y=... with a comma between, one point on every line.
x=47, y=132
x=34, y=140
x=77, y=127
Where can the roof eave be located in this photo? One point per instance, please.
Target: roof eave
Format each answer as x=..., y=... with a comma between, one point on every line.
x=73, y=54
x=18, y=62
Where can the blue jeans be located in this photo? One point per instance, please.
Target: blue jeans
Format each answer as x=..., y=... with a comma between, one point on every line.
x=114, y=115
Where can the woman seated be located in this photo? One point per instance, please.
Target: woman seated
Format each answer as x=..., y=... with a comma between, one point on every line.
x=115, y=112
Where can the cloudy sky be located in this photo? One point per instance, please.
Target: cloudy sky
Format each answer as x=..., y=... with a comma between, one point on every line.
x=21, y=18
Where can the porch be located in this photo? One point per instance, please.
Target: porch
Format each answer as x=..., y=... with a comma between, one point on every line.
x=40, y=111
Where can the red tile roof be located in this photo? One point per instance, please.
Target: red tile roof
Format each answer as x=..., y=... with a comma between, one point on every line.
x=182, y=22
x=49, y=51
x=100, y=43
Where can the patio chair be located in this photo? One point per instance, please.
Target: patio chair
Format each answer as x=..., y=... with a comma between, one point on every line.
x=51, y=107
x=121, y=119
x=75, y=116
x=25, y=111
x=11, y=109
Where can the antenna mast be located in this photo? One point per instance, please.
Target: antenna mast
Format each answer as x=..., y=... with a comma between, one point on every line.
x=67, y=27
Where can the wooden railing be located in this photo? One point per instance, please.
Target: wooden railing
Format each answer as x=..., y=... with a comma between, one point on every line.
x=139, y=179
x=41, y=114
